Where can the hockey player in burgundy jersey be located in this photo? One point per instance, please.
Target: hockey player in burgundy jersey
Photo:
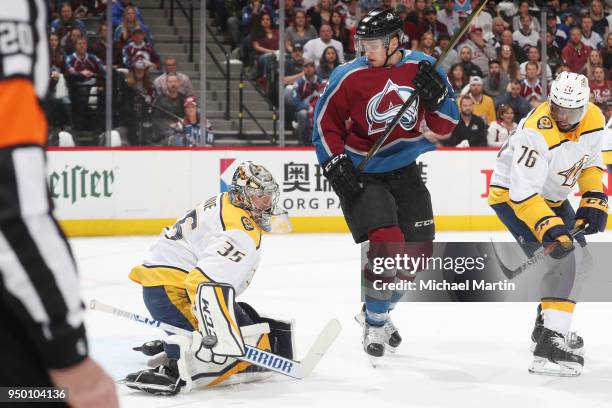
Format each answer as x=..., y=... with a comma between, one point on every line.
x=388, y=203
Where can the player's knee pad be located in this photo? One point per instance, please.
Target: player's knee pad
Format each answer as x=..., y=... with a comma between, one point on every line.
x=281, y=331
x=198, y=373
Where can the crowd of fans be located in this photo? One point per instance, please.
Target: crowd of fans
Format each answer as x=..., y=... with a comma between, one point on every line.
x=496, y=68
x=146, y=112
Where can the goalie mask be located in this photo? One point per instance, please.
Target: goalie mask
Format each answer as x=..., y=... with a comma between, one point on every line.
x=569, y=100
x=253, y=189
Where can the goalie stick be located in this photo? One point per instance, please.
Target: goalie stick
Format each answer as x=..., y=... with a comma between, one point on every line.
x=389, y=129
x=537, y=256
x=256, y=356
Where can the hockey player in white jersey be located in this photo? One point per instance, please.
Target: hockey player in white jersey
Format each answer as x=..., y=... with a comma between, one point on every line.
x=607, y=146
x=190, y=278
x=556, y=146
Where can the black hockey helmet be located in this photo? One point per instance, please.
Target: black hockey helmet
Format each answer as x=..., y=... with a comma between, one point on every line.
x=379, y=23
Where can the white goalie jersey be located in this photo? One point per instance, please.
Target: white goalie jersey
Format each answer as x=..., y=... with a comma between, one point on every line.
x=214, y=242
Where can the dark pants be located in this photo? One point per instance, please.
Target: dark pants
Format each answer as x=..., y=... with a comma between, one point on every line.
x=396, y=198
x=171, y=305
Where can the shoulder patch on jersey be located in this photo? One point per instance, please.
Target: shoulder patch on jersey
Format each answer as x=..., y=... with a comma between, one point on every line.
x=545, y=123
x=247, y=224
x=236, y=218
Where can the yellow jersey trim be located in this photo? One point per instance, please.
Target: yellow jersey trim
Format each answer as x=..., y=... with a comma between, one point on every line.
x=158, y=275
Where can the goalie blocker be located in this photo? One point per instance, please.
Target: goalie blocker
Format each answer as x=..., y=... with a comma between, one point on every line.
x=189, y=362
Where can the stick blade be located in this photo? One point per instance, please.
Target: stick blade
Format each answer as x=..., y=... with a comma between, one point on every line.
x=326, y=338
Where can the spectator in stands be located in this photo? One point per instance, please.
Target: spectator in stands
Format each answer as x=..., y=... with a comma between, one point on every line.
x=482, y=52
x=457, y=78
x=138, y=49
x=66, y=21
x=559, y=36
x=483, y=104
x=531, y=84
x=417, y=15
x=321, y=13
x=469, y=67
x=449, y=17
x=471, y=131
x=57, y=56
x=568, y=20
x=68, y=43
x=294, y=66
x=507, y=62
x=451, y=58
x=265, y=44
x=523, y=11
x=427, y=45
x=431, y=24
x=171, y=67
x=118, y=12
x=575, y=53
x=340, y=32
x=601, y=88
x=313, y=50
x=507, y=39
x=597, y=14
x=189, y=134
x=300, y=31
x=351, y=12
x=553, y=52
x=167, y=107
x=533, y=55
x=497, y=81
x=525, y=36
x=589, y=37
x=306, y=88
x=494, y=37
x=136, y=101
x=484, y=19
x=84, y=72
x=99, y=47
x=513, y=98
x=502, y=128
x=123, y=33
x=606, y=53
x=608, y=111
x=593, y=62
x=329, y=61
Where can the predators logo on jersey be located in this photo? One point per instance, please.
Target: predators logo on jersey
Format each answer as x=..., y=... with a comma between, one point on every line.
x=571, y=174
x=545, y=123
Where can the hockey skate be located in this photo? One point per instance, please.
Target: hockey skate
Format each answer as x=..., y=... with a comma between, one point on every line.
x=553, y=356
x=374, y=338
x=163, y=380
x=393, y=337
x=574, y=341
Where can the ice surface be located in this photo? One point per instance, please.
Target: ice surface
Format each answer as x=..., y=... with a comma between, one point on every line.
x=453, y=354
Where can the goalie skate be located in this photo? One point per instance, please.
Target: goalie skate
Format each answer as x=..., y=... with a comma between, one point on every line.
x=553, y=356
x=393, y=337
x=163, y=380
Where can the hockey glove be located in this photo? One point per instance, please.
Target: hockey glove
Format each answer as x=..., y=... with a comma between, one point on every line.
x=594, y=211
x=342, y=176
x=555, y=237
x=430, y=86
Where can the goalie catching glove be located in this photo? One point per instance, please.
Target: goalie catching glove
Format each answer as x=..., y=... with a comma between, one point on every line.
x=342, y=176
x=430, y=86
x=593, y=210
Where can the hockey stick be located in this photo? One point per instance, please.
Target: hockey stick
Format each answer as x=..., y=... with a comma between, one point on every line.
x=253, y=355
x=391, y=126
x=537, y=256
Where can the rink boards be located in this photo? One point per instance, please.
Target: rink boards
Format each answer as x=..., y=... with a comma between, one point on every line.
x=128, y=191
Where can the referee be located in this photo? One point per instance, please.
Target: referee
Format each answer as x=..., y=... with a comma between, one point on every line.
x=42, y=336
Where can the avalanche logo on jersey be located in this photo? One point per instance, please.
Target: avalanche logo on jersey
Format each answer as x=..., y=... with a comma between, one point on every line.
x=383, y=107
x=571, y=174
